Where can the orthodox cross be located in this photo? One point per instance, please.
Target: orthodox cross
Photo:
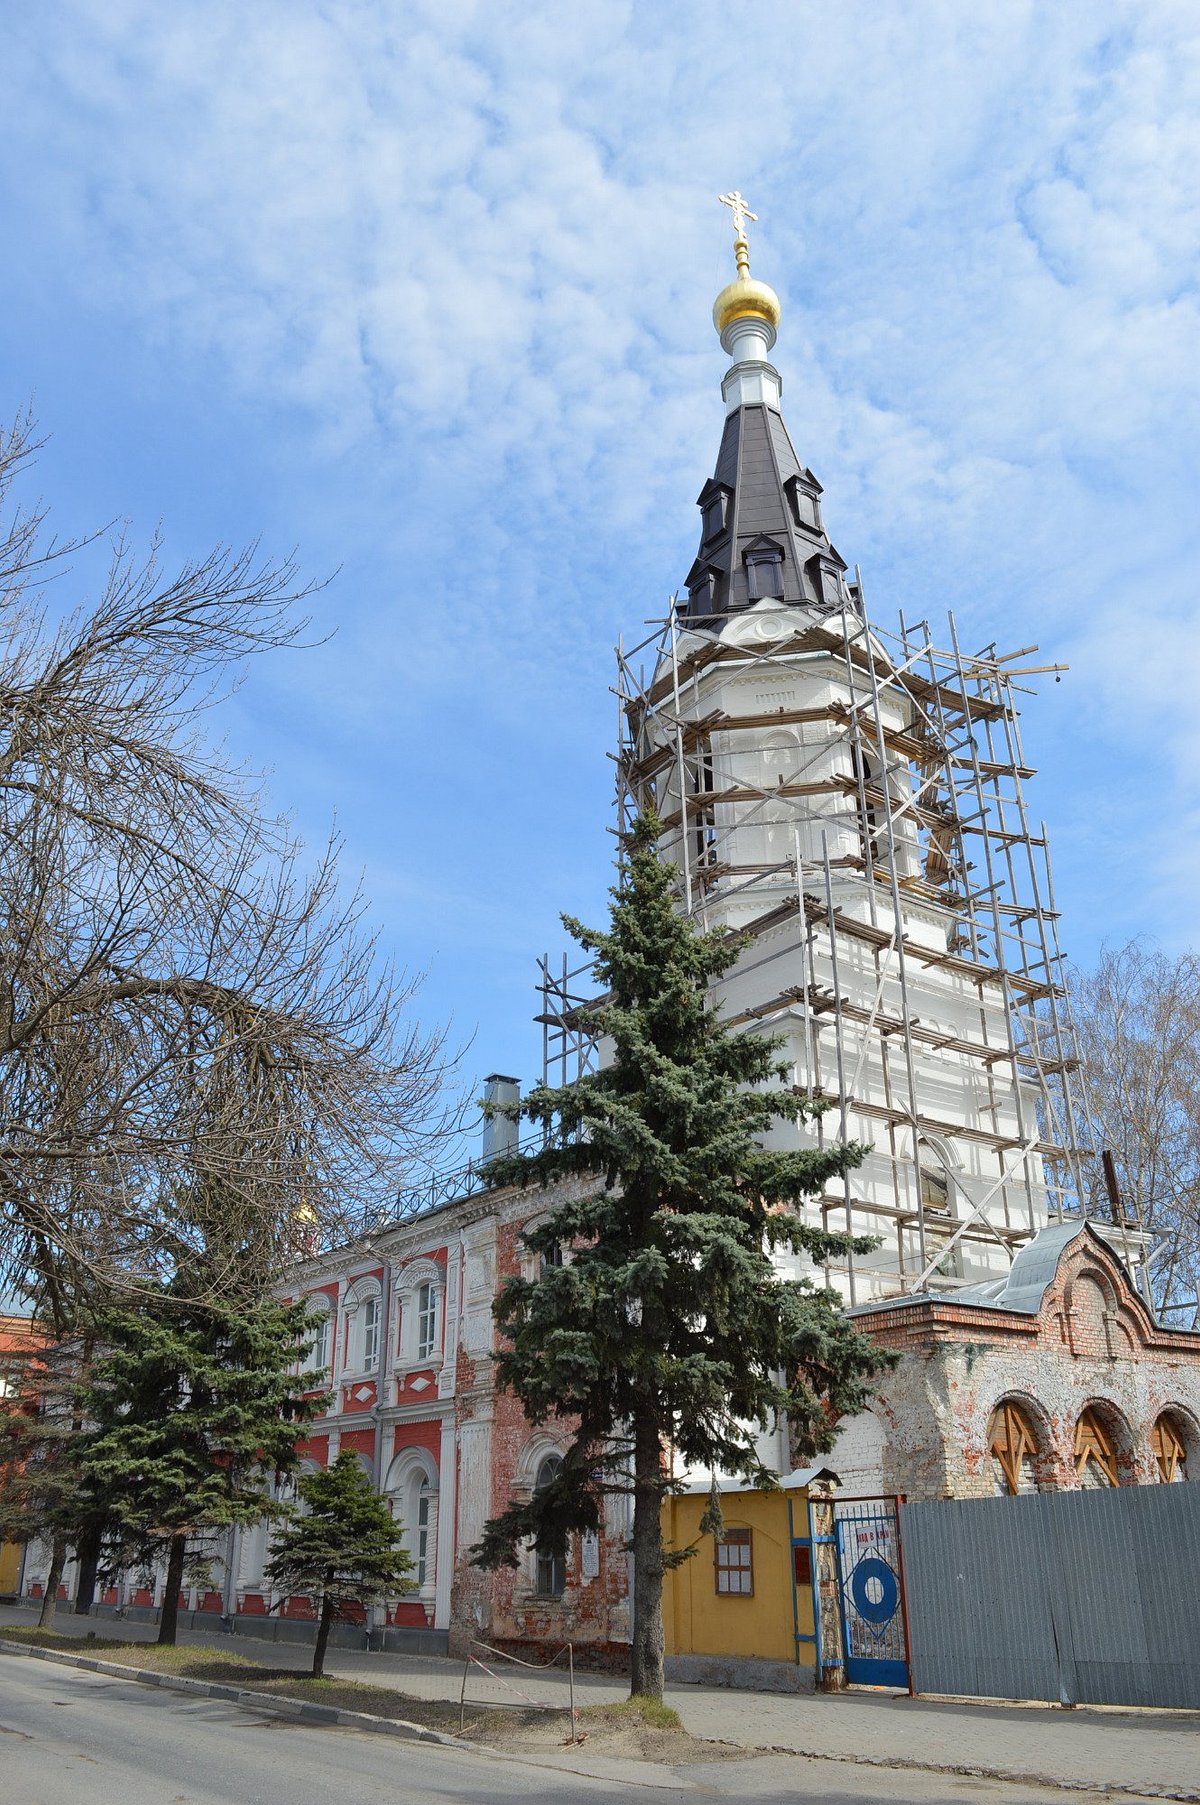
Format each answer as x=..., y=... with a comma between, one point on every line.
x=741, y=212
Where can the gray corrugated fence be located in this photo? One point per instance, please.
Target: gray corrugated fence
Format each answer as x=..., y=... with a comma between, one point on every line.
x=1081, y=1597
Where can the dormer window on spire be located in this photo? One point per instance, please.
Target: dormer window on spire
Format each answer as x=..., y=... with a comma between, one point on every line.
x=713, y=502
x=702, y=590
x=764, y=571
x=826, y=579
x=803, y=505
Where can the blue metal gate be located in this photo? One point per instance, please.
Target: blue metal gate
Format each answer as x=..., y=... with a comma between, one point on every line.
x=871, y=1592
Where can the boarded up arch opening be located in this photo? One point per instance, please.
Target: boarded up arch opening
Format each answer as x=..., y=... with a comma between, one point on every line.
x=1102, y=1448
x=1015, y=1448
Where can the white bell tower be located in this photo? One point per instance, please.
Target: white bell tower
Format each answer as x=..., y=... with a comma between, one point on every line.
x=857, y=801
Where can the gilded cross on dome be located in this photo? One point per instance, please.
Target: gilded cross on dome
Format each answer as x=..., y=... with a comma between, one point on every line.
x=741, y=213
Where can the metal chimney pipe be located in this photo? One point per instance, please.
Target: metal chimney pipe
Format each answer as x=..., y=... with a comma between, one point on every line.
x=500, y=1133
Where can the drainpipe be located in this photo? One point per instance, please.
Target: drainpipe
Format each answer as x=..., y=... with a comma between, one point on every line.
x=377, y=1622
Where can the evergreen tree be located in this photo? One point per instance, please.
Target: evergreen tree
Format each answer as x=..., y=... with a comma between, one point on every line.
x=192, y=1409
x=668, y=1326
x=344, y=1549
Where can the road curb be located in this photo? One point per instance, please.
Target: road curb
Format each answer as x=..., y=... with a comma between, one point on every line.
x=297, y=1710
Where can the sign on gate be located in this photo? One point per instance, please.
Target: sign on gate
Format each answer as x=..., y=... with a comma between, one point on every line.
x=870, y=1591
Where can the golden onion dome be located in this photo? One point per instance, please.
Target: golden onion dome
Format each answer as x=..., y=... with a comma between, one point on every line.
x=746, y=298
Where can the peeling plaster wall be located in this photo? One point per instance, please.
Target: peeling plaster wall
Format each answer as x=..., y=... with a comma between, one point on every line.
x=1091, y=1343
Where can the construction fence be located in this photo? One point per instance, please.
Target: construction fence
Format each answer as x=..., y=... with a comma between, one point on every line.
x=1084, y=1597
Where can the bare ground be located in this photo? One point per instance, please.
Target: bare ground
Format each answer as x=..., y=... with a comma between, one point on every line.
x=635, y=1729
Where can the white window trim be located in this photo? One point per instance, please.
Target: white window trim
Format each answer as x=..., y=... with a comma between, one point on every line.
x=322, y=1314
x=525, y=1477
x=356, y=1298
x=531, y=1263
x=410, y=1468
x=408, y=1292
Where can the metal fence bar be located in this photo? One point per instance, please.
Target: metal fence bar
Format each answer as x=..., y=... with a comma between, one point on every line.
x=528, y=1704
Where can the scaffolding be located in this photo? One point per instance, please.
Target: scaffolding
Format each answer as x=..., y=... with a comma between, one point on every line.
x=855, y=802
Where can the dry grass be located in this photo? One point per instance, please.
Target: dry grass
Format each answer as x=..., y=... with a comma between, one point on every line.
x=243, y=1670
x=638, y=1728
x=640, y=1709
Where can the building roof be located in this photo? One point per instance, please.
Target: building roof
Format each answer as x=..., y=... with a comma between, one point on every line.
x=760, y=500
x=789, y=1482
x=1025, y=1284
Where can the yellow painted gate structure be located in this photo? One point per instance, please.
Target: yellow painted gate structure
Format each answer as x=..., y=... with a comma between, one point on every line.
x=749, y=1597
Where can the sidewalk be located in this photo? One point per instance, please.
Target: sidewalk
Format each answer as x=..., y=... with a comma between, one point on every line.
x=1149, y=1752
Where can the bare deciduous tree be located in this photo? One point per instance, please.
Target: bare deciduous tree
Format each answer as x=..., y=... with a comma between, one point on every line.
x=1138, y=1031
x=198, y=1042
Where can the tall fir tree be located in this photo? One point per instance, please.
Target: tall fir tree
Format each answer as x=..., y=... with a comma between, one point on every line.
x=346, y=1548
x=193, y=1409
x=668, y=1327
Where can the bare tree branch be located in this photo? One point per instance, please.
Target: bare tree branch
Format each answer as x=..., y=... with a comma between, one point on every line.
x=198, y=1040
x=1138, y=1030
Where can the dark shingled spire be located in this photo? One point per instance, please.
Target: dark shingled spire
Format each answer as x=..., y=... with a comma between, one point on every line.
x=761, y=532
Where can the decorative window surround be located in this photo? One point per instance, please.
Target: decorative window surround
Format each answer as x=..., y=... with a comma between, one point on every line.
x=420, y=1291
x=363, y=1311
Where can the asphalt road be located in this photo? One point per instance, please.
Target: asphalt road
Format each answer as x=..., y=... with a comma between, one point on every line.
x=74, y=1738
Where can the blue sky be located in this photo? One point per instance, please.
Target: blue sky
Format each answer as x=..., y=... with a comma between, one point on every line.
x=423, y=290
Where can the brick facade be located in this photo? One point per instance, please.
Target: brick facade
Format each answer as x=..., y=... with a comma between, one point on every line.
x=1085, y=1341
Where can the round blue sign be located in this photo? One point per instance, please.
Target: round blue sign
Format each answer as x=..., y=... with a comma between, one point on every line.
x=874, y=1590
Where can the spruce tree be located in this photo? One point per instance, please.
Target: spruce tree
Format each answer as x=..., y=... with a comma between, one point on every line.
x=668, y=1327
x=193, y=1408
x=344, y=1549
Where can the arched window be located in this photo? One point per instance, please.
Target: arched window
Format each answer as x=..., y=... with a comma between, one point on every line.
x=426, y=1321
x=421, y=1549
x=1170, y=1450
x=364, y=1313
x=412, y=1492
x=1095, y=1452
x=420, y=1291
x=935, y=1191
x=869, y=803
x=370, y=1334
x=1013, y=1448
x=550, y=1570
x=704, y=814
x=320, y=1327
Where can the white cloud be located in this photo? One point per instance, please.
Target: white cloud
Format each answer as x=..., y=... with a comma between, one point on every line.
x=472, y=247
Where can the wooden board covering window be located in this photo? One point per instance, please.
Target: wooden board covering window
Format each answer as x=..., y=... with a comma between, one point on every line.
x=1012, y=1441
x=1094, y=1449
x=1169, y=1451
x=735, y=1564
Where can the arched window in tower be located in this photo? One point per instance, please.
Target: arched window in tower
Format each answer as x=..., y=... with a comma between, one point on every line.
x=869, y=804
x=1170, y=1450
x=1013, y=1448
x=935, y=1191
x=704, y=815
x=1095, y=1452
x=550, y=1570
